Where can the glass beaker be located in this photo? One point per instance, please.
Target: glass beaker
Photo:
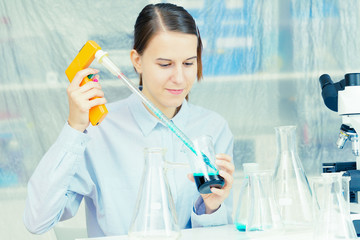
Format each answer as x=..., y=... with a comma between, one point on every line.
x=318, y=185
x=292, y=188
x=334, y=221
x=203, y=165
x=243, y=205
x=264, y=213
x=154, y=216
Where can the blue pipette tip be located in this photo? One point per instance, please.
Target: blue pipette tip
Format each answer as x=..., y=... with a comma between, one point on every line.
x=207, y=161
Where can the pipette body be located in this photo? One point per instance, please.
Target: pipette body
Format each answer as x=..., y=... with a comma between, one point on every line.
x=102, y=58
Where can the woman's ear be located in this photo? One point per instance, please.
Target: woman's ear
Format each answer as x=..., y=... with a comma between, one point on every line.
x=136, y=60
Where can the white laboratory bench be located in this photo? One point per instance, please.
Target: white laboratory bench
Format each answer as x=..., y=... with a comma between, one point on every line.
x=228, y=232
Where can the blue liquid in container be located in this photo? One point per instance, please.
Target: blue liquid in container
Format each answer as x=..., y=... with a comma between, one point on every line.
x=204, y=184
x=241, y=227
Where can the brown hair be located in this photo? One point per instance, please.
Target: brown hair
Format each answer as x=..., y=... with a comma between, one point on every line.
x=174, y=18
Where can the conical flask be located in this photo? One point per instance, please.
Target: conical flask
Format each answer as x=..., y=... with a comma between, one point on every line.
x=264, y=213
x=205, y=171
x=292, y=189
x=154, y=216
x=243, y=206
x=334, y=221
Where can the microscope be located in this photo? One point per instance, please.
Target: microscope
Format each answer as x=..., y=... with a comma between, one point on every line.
x=344, y=97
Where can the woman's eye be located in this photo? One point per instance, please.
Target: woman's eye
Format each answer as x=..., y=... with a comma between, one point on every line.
x=189, y=63
x=164, y=64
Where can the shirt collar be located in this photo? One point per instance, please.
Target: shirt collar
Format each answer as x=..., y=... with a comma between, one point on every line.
x=147, y=122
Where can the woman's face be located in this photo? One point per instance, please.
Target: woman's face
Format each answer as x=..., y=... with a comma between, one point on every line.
x=169, y=68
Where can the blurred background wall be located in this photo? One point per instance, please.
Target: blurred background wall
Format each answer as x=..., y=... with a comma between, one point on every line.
x=262, y=61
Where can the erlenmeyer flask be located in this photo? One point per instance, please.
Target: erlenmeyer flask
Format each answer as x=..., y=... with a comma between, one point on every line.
x=334, y=221
x=318, y=185
x=205, y=171
x=292, y=189
x=264, y=213
x=243, y=205
x=154, y=216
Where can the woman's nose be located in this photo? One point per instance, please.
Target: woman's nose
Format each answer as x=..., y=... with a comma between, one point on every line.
x=178, y=76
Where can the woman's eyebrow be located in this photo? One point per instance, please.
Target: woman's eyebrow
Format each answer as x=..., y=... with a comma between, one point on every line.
x=191, y=57
x=165, y=59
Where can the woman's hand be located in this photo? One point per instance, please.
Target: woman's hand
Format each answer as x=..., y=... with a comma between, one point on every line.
x=213, y=200
x=79, y=99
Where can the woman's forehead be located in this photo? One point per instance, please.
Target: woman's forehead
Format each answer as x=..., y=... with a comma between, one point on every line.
x=171, y=45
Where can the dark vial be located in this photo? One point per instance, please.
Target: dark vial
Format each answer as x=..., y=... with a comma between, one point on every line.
x=204, y=184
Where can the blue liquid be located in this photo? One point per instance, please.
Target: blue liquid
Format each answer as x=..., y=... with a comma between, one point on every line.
x=255, y=229
x=210, y=174
x=207, y=161
x=204, y=184
x=241, y=227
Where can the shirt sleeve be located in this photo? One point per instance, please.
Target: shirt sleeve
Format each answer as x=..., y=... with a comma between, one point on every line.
x=200, y=219
x=48, y=198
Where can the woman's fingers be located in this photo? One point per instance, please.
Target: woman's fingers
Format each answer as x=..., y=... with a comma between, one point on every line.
x=82, y=98
x=228, y=179
x=94, y=92
x=90, y=99
x=88, y=86
x=224, y=162
x=218, y=191
x=225, y=165
x=86, y=92
x=75, y=83
x=96, y=102
x=191, y=177
x=223, y=192
x=223, y=156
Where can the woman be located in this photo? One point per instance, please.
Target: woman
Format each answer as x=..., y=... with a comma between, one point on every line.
x=103, y=164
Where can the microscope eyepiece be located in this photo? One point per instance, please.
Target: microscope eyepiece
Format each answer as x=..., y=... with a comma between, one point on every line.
x=352, y=79
x=325, y=80
x=329, y=92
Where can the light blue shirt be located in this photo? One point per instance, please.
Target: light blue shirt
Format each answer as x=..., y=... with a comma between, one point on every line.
x=104, y=165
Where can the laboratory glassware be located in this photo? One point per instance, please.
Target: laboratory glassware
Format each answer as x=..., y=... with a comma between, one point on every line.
x=318, y=185
x=103, y=58
x=154, y=216
x=264, y=213
x=345, y=180
x=293, y=192
x=243, y=204
x=334, y=221
x=205, y=175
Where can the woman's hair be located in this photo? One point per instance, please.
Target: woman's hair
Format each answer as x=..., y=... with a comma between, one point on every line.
x=153, y=18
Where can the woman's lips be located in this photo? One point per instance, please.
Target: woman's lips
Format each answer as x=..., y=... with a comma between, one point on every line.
x=175, y=91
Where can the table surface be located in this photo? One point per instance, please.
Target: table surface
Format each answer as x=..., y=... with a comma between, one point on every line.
x=230, y=232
